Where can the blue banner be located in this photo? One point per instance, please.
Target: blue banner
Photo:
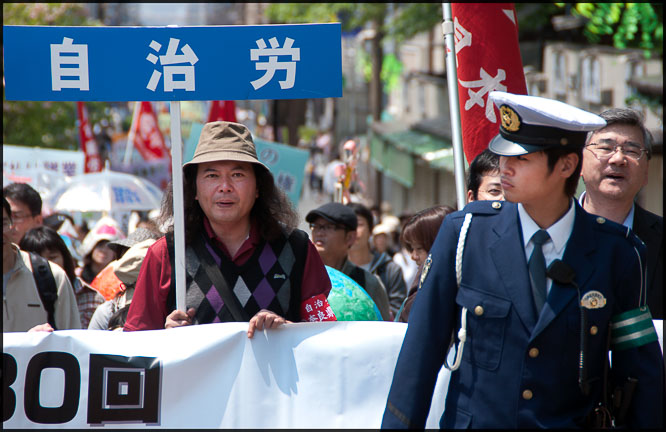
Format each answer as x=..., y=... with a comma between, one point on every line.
x=296, y=61
x=287, y=164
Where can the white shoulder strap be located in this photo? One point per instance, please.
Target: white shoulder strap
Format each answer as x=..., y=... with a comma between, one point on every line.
x=462, y=333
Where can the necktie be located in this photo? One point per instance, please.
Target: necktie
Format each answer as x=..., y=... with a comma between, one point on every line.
x=537, y=267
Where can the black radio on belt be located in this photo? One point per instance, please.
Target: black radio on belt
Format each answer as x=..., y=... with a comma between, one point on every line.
x=605, y=415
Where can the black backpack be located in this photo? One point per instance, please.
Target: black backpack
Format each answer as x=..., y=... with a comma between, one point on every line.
x=46, y=285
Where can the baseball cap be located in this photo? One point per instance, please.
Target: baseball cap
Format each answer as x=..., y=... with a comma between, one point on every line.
x=335, y=212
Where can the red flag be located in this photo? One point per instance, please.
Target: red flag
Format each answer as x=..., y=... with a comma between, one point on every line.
x=145, y=134
x=93, y=161
x=488, y=58
x=222, y=110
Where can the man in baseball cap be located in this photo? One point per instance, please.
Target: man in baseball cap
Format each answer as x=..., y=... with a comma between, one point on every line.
x=539, y=289
x=246, y=261
x=333, y=227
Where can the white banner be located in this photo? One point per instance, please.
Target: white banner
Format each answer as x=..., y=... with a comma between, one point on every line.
x=25, y=161
x=304, y=375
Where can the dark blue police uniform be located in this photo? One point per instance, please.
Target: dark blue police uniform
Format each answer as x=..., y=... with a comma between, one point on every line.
x=520, y=370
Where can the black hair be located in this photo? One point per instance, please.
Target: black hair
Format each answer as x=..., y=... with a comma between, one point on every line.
x=7, y=207
x=118, y=319
x=555, y=153
x=41, y=238
x=56, y=220
x=483, y=164
x=25, y=194
x=272, y=208
x=626, y=116
x=364, y=212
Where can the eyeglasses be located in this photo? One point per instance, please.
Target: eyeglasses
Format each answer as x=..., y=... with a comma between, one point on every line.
x=604, y=151
x=6, y=225
x=495, y=192
x=327, y=228
x=18, y=217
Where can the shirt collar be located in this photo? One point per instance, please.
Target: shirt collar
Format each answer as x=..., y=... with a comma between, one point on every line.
x=559, y=232
x=254, y=237
x=18, y=260
x=7, y=276
x=628, y=221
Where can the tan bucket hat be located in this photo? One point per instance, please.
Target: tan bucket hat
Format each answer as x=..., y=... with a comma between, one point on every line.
x=225, y=141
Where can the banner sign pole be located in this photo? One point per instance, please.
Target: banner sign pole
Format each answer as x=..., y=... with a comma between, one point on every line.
x=178, y=208
x=452, y=80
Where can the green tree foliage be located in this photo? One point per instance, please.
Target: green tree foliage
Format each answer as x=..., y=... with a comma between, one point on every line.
x=46, y=124
x=411, y=19
x=627, y=25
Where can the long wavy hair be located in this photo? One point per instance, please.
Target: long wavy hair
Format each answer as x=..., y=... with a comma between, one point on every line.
x=272, y=208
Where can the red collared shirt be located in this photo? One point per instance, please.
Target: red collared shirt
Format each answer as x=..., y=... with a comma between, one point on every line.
x=148, y=310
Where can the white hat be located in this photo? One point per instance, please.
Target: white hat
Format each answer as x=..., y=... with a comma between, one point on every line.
x=105, y=229
x=532, y=123
x=382, y=228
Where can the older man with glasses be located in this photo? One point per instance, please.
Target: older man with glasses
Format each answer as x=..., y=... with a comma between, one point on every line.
x=333, y=228
x=615, y=168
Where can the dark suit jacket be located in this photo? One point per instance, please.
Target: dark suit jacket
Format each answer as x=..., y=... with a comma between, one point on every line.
x=520, y=370
x=650, y=228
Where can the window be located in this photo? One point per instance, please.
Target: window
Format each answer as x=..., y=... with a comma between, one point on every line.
x=591, y=80
x=633, y=69
x=559, y=73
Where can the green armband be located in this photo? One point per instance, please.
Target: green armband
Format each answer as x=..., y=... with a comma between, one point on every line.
x=632, y=329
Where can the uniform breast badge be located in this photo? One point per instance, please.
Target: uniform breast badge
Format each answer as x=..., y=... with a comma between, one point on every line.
x=593, y=300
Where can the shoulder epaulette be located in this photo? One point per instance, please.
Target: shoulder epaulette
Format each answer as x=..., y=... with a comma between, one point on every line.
x=605, y=225
x=484, y=207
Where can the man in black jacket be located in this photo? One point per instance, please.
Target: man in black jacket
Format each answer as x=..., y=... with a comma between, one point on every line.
x=615, y=168
x=333, y=228
x=379, y=264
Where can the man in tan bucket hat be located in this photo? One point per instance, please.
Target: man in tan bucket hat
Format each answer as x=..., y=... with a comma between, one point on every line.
x=245, y=260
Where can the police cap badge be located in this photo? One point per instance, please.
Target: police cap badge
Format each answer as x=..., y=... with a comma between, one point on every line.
x=531, y=123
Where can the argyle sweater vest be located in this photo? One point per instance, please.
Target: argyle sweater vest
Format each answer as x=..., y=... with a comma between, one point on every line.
x=270, y=279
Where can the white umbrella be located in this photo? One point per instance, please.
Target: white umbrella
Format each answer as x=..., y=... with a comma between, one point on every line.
x=106, y=191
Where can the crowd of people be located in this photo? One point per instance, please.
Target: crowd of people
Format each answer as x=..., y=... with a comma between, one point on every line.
x=494, y=269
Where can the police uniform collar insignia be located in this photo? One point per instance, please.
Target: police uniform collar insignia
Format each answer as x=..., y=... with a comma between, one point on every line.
x=510, y=119
x=426, y=267
x=593, y=300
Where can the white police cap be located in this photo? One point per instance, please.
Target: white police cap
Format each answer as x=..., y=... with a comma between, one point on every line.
x=532, y=123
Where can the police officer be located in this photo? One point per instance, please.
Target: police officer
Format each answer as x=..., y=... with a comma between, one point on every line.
x=524, y=266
